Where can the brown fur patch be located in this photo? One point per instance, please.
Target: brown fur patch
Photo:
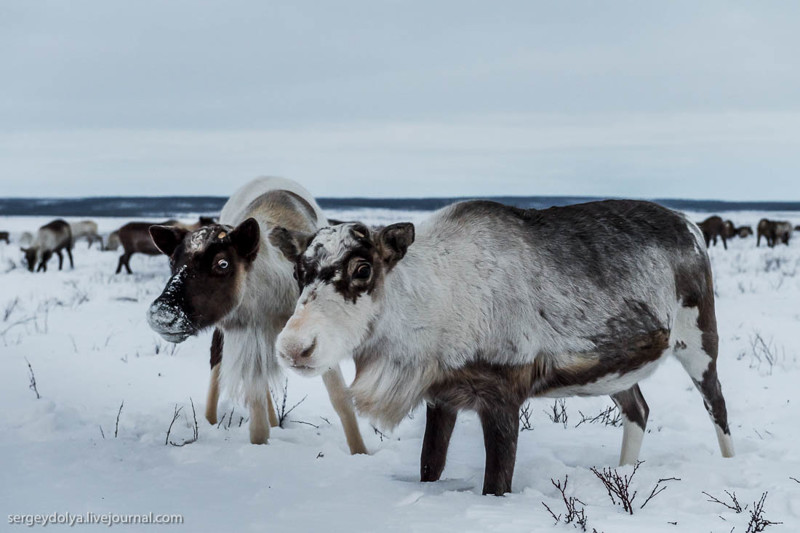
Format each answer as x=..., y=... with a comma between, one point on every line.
x=479, y=384
x=632, y=404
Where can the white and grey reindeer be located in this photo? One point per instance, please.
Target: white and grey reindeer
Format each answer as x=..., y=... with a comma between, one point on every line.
x=229, y=276
x=86, y=229
x=51, y=239
x=492, y=305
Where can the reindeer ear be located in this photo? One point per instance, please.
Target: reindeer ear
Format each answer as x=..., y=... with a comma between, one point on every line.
x=291, y=243
x=394, y=241
x=167, y=238
x=246, y=238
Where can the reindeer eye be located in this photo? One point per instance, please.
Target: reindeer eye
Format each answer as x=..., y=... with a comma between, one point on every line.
x=222, y=263
x=363, y=271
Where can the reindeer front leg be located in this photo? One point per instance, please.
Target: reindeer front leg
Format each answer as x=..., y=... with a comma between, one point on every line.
x=342, y=403
x=217, y=341
x=259, y=428
x=439, y=424
x=213, y=396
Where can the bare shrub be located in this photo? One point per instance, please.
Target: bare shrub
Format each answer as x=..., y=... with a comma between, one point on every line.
x=758, y=522
x=610, y=416
x=32, y=384
x=618, y=486
x=381, y=435
x=229, y=416
x=558, y=413
x=573, y=514
x=283, y=412
x=12, y=325
x=762, y=351
x=11, y=306
x=525, y=422
x=175, y=416
x=195, y=428
x=733, y=504
x=116, y=425
x=658, y=489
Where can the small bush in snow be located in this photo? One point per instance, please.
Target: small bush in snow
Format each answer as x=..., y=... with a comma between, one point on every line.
x=757, y=522
x=558, y=413
x=574, y=509
x=610, y=416
x=525, y=422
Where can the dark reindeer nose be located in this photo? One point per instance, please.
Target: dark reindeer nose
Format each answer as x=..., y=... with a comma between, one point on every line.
x=169, y=321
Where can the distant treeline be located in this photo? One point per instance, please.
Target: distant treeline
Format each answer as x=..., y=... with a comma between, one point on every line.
x=176, y=206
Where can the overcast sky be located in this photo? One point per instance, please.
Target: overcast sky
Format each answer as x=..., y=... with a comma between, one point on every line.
x=375, y=98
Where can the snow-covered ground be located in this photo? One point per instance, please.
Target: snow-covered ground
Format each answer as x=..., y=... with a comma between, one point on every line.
x=84, y=334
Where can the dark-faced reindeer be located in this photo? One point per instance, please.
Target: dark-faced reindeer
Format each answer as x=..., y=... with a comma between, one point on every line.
x=86, y=229
x=714, y=227
x=228, y=276
x=492, y=305
x=4, y=237
x=774, y=231
x=51, y=239
x=135, y=238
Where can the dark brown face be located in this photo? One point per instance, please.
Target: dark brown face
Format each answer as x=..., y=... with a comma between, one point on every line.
x=208, y=270
x=728, y=229
x=30, y=257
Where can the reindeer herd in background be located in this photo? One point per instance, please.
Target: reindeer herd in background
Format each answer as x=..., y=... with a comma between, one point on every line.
x=773, y=231
x=60, y=236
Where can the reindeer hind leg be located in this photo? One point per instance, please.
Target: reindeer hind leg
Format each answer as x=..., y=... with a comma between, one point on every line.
x=697, y=353
x=635, y=412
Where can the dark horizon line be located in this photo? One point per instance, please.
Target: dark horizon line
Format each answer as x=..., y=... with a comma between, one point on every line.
x=156, y=206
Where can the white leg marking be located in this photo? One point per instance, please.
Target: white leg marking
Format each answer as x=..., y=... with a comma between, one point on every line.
x=213, y=396
x=632, y=436
x=725, y=442
x=687, y=343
